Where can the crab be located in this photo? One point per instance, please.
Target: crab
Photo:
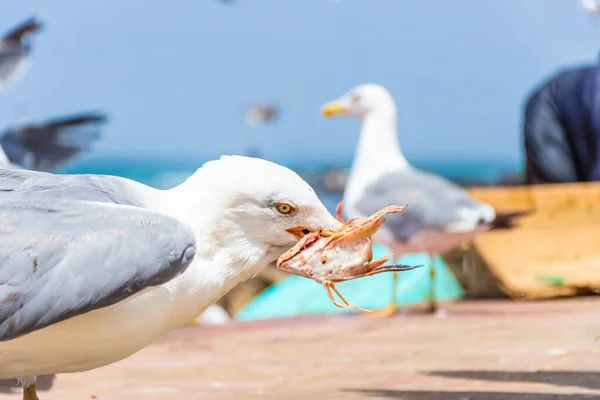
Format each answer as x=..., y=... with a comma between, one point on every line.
x=344, y=254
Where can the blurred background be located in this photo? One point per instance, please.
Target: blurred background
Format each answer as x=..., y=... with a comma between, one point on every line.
x=176, y=80
x=184, y=82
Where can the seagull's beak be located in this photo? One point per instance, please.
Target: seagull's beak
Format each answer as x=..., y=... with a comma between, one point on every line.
x=335, y=108
x=301, y=231
x=298, y=231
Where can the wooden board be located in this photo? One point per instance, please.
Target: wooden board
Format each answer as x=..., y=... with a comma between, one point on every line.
x=553, y=252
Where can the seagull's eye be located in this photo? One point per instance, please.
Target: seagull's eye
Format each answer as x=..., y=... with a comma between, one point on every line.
x=285, y=208
x=355, y=99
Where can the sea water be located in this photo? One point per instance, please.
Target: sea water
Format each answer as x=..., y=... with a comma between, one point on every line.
x=164, y=173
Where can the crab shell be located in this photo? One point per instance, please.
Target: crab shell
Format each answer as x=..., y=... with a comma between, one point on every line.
x=345, y=255
x=313, y=258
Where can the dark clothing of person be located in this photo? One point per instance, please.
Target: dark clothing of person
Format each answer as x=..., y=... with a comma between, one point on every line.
x=562, y=128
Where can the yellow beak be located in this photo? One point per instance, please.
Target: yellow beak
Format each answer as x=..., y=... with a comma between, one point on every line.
x=334, y=108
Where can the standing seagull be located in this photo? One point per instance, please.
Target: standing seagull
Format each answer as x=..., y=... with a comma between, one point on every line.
x=440, y=215
x=14, y=49
x=47, y=145
x=93, y=268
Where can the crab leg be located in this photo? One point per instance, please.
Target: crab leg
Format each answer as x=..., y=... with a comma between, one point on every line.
x=387, y=210
x=367, y=229
x=373, y=265
x=327, y=286
x=371, y=225
x=346, y=301
x=348, y=223
x=392, y=268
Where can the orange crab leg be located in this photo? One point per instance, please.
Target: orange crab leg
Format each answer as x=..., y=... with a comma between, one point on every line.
x=371, y=225
x=348, y=305
x=327, y=286
x=387, y=210
x=366, y=229
x=331, y=286
x=373, y=265
x=348, y=224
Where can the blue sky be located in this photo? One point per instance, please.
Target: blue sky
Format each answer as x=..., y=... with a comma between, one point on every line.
x=175, y=77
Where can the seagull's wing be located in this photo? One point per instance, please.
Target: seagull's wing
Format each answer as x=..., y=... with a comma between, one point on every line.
x=48, y=145
x=73, y=244
x=30, y=25
x=434, y=204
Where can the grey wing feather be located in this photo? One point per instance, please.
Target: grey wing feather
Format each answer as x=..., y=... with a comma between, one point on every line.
x=73, y=244
x=433, y=202
x=47, y=145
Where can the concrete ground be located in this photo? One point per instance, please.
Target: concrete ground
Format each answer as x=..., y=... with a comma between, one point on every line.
x=470, y=351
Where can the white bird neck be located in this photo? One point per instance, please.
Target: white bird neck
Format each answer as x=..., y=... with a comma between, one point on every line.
x=224, y=255
x=377, y=153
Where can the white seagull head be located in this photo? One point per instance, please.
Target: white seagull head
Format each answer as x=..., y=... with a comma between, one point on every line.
x=259, y=202
x=361, y=101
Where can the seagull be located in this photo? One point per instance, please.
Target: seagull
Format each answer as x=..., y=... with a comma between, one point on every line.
x=93, y=268
x=48, y=145
x=259, y=114
x=440, y=215
x=14, y=49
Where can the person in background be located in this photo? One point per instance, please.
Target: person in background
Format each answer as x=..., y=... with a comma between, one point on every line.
x=562, y=128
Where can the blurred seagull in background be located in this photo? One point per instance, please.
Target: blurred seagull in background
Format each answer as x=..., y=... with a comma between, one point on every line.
x=440, y=215
x=259, y=114
x=15, y=47
x=48, y=145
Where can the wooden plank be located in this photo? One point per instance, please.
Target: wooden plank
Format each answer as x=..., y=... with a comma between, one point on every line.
x=553, y=252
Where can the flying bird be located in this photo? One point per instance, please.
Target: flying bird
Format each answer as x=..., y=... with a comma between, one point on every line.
x=440, y=215
x=93, y=268
x=15, y=47
x=47, y=145
x=259, y=114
